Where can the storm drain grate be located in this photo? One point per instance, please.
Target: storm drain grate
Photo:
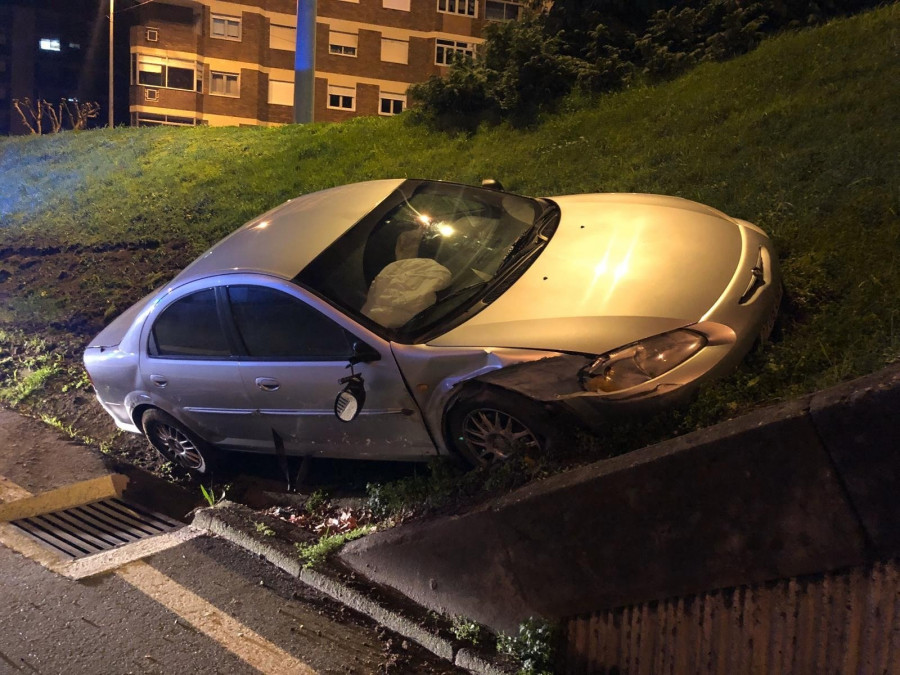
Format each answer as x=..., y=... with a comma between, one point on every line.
x=99, y=526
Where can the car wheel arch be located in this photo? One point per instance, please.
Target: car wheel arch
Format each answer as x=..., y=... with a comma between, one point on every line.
x=506, y=399
x=137, y=414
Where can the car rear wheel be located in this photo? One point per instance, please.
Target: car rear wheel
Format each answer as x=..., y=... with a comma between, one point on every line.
x=493, y=426
x=176, y=442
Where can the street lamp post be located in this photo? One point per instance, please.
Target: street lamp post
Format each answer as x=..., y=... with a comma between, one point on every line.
x=112, y=4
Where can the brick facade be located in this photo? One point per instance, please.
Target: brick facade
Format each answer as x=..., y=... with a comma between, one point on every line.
x=255, y=44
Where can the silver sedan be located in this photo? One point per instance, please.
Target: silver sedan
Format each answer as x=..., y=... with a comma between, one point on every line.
x=400, y=319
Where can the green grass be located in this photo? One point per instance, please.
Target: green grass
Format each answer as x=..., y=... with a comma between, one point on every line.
x=314, y=554
x=799, y=136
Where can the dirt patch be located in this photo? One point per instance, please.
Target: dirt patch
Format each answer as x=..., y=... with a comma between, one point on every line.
x=53, y=301
x=79, y=289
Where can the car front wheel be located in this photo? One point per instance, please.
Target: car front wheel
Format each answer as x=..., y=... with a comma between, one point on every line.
x=176, y=442
x=493, y=426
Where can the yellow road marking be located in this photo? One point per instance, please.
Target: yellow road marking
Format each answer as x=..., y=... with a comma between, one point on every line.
x=234, y=636
x=15, y=540
x=211, y=621
x=26, y=505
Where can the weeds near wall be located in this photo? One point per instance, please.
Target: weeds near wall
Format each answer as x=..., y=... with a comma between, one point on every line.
x=315, y=554
x=535, y=646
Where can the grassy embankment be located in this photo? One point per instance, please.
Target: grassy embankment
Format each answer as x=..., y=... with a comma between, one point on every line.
x=799, y=136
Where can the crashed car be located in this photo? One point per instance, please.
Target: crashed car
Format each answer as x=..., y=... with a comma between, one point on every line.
x=400, y=319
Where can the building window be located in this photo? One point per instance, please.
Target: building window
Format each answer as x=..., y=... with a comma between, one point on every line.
x=463, y=7
x=341, y=98
x=391, y=104
x=499, y=10
x=142, y=119
x=151, y=94
x=344, y=44
x=152, y=35
x=447, y=50
x=224, y=84
x=225, y=27
x=159, y=71
x=282, y=37
x=402, y=5
x=394, y=51
x=49, y=44
x=281, y=93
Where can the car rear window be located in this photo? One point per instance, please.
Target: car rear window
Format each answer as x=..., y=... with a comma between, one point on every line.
x=190, y=327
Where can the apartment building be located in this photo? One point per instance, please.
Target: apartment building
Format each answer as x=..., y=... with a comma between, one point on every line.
x=253, y=62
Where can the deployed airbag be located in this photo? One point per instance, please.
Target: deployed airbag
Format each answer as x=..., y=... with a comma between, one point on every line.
x=403, y=289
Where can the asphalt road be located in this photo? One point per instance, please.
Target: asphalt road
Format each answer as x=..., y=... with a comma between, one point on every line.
x=203, y=606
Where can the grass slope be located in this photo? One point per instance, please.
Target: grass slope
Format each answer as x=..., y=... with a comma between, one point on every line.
x=799, y=136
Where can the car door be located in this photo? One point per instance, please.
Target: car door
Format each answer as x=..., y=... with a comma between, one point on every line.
x=294, y=358
x=189, y=368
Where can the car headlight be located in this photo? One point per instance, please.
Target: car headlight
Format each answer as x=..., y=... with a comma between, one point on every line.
x=641, y=361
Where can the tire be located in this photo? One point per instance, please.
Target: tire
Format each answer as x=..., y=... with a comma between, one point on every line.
x=494, y=425
x=176, y=442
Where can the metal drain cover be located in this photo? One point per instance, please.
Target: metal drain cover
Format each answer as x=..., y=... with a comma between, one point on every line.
x=99, y=526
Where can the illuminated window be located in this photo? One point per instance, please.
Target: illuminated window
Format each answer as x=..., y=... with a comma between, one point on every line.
x=282, y=37
x=281, y=93
x=224, y=84
x=463, y=7
x=50, y=44
x=344, y=44
x=447, y=50
x=394, y=51
x=143, y=119
x=225, y=27
x=159, y=71
x=391, y=104
x=341, y=98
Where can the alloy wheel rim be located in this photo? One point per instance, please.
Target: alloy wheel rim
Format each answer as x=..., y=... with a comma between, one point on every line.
x=495, y=435
x=179, y=448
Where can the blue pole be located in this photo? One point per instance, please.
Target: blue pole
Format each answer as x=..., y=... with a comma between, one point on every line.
x=305, y=62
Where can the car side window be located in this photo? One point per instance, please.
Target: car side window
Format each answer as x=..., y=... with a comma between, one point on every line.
x=190, y=328
x=275, y=325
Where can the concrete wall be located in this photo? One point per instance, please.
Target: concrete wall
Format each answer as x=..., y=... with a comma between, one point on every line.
x=842, y=622
x=804, y=487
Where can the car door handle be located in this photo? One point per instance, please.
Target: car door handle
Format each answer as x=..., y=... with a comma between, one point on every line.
x=267, y=384
x=159, y=381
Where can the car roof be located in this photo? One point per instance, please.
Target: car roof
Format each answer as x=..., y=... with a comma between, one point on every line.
x=286, y=239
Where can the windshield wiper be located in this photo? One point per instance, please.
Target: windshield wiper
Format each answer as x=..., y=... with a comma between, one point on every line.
x=534, y=235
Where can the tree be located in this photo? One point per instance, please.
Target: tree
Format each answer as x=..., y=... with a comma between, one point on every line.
x=42, y=117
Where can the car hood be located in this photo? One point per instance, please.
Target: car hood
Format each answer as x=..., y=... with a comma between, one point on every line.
x=620, y=267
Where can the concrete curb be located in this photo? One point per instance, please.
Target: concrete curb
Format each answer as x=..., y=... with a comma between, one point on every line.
x=236, y=523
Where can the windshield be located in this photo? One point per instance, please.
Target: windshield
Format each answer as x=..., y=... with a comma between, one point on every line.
x=424, y=256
